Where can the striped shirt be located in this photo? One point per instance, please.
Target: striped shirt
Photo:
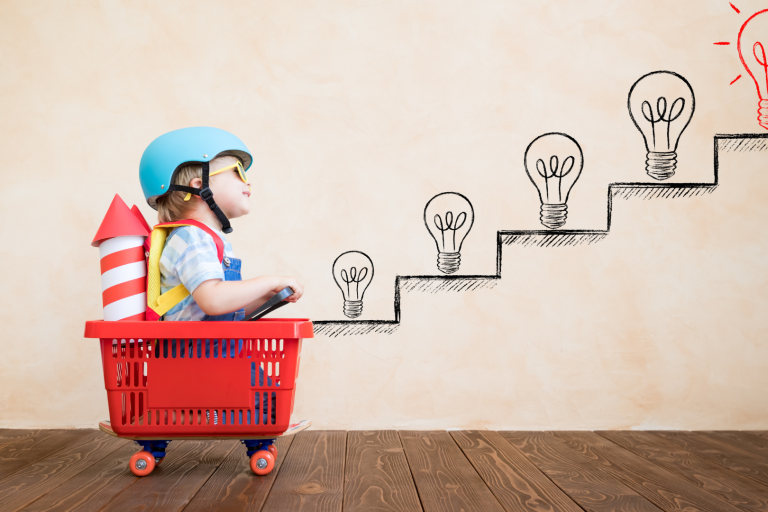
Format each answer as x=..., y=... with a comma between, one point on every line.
x=190, y=258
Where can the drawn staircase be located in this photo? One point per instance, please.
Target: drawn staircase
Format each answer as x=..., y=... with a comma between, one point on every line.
x=543, y=239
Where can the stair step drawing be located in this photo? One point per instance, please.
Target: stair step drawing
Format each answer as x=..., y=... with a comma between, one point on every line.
x=542, y=239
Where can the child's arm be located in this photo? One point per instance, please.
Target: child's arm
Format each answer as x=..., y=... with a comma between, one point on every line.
x=215, y=297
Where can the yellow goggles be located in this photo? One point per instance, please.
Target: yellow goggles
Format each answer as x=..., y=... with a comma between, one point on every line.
x=237, y=166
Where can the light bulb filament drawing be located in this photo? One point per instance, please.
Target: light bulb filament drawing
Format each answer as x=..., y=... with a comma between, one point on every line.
x=353, y=280
x=661, y=109
x=451, y=225
x=555, y=171
x=759, y=47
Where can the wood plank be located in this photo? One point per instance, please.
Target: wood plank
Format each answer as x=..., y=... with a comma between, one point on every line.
x=665, y=489
x=11, y=435
x=312, y=476
x=743, y=461
x=234, y=486
x=515, y=481
x=28, y=450
x=740, y=440
x=171, y=486
x=590, y=486
x=91, y=489
x=377, y=476
x=444, y=477
x=751, y=437
x=45, y=475
x=739, y=491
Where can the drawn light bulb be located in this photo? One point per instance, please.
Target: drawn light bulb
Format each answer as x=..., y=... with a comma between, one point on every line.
x=661, y=105
x=449, y=217
x=353, y=272
x=554, y=162
x=752, y=54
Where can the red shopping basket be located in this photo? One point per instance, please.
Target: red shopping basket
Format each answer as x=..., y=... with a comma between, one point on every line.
x=200, y=379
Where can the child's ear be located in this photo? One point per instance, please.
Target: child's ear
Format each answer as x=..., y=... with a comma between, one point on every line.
x=196, y=183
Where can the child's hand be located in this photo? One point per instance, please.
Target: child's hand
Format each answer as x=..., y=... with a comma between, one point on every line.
x=295, y=285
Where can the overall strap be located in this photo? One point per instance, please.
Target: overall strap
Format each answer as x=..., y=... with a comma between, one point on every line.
x=157, y=304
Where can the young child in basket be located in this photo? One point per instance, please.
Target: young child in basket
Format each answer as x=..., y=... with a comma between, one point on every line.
x=198, y=174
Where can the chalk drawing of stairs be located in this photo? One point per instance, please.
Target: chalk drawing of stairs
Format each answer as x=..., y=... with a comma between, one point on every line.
x=542, y=239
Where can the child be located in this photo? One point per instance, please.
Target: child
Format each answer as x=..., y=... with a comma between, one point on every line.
x=198, y=174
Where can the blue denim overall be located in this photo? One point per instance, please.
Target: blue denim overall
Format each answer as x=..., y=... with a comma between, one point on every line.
x=231, y=268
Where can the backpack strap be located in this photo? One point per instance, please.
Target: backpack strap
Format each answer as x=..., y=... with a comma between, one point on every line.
x=159, y=304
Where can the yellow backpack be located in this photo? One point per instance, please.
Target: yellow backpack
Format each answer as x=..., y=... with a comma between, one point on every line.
x=159, y=304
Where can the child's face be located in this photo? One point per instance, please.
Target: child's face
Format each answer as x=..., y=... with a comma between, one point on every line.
x=229, y=191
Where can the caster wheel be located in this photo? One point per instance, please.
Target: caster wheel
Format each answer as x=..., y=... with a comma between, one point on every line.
x=142, y=463
x=273, y=450
x=262, y=462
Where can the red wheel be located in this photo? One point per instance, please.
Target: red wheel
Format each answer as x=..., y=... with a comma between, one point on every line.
x=262, y=462
x=273, y=450
x=159, y=460
x=142, y=463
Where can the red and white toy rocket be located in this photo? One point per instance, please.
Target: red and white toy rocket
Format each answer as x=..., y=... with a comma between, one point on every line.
x=120, y=240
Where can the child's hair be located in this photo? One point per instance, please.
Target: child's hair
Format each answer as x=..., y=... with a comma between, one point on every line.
x=171, y=206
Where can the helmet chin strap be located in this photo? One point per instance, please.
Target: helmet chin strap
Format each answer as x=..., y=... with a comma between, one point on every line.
x=206, y=194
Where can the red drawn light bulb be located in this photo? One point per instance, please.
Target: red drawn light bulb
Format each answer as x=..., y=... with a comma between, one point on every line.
x=753, y=56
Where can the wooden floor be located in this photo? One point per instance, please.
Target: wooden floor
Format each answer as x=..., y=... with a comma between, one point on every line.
x=482, y=471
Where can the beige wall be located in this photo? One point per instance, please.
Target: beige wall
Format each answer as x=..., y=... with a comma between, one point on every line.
x=357, y=113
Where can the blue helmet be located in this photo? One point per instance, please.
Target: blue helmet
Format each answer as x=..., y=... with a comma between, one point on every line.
x=200, y=144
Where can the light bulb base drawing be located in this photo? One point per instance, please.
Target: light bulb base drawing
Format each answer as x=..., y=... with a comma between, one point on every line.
x=553, y=216
x=353, y=308
x=448, y=262
x=762, y=114
x=661, y=165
